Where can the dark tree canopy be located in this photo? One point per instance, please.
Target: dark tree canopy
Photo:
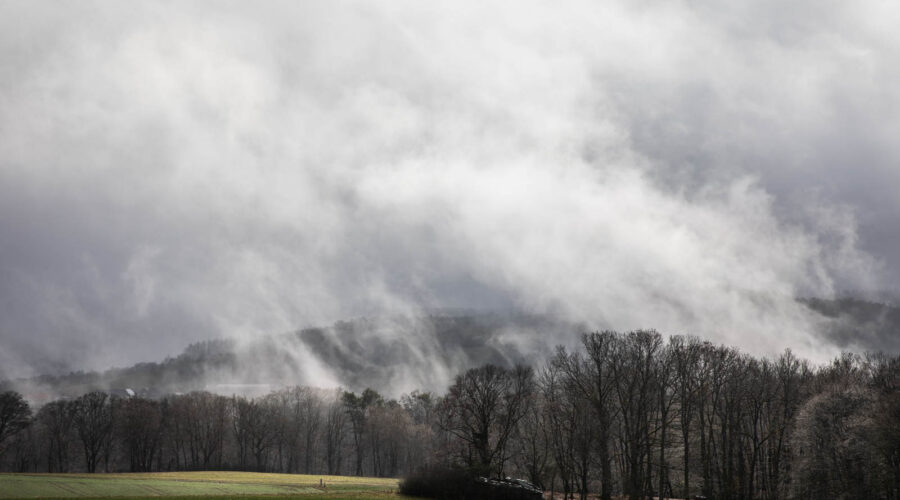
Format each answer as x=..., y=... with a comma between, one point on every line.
x=15, y=415
x=483, y=407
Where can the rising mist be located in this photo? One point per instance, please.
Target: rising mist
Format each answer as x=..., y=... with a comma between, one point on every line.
x=181, y=172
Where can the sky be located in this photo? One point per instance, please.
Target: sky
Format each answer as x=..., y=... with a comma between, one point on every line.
x=179, y=171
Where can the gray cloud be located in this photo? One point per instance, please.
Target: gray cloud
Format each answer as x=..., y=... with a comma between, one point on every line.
x=173, y=172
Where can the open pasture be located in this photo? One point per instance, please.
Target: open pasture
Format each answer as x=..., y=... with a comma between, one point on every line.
x=193, y=484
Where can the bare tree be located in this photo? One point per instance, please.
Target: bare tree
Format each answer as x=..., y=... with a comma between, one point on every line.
x=635, y=372
x=389, y=425
x=885, y=426
x=55, y=419
x=94, y=423
x=665, y=392
x=140, y=428
x=335, y=432
x=686, y=364
x=15, y=415
x=256, y=426
x=532, y=442
x=200, y=422
x=242, y=414
x=304, y=421
x=591, y=376
x=560, y=422
x=790, y=376
x=482, y=409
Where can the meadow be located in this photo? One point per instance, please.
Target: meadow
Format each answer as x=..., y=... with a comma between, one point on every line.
x=222, y=485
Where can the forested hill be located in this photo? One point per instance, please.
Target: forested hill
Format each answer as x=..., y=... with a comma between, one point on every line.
x=859, y=325
x=387, y=353
x=390, y=354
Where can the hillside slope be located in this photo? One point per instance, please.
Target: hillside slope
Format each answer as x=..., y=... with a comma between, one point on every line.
x=392, y=355
x=396, y=355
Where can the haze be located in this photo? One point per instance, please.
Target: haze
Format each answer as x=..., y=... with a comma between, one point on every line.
x=179, y=171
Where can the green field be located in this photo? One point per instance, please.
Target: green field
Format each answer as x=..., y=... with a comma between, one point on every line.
x=193, y=484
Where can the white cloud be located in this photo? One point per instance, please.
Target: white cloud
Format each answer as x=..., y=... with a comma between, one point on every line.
x=240, y=170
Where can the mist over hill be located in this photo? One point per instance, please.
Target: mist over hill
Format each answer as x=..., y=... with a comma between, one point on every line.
x=401, y=354
x=395, y=355
x=211, y=209
x=859, y=325
x=171, y=173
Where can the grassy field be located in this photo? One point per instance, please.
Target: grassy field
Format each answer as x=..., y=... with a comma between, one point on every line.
x=221, y=485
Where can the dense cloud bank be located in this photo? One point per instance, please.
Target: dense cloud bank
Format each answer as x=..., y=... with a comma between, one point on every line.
x=173, y=172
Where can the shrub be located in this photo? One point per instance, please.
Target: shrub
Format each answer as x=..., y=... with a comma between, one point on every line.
x=438, y=482
x=445, y=483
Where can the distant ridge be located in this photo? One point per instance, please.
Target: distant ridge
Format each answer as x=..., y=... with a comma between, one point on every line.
x=399, y=353
x=858, y=324
x=380, y=353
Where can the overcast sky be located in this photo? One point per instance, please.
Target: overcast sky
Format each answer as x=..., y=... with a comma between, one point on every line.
x=177, y=171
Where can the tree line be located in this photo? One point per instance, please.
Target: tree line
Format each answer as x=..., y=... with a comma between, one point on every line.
x=630, y=414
